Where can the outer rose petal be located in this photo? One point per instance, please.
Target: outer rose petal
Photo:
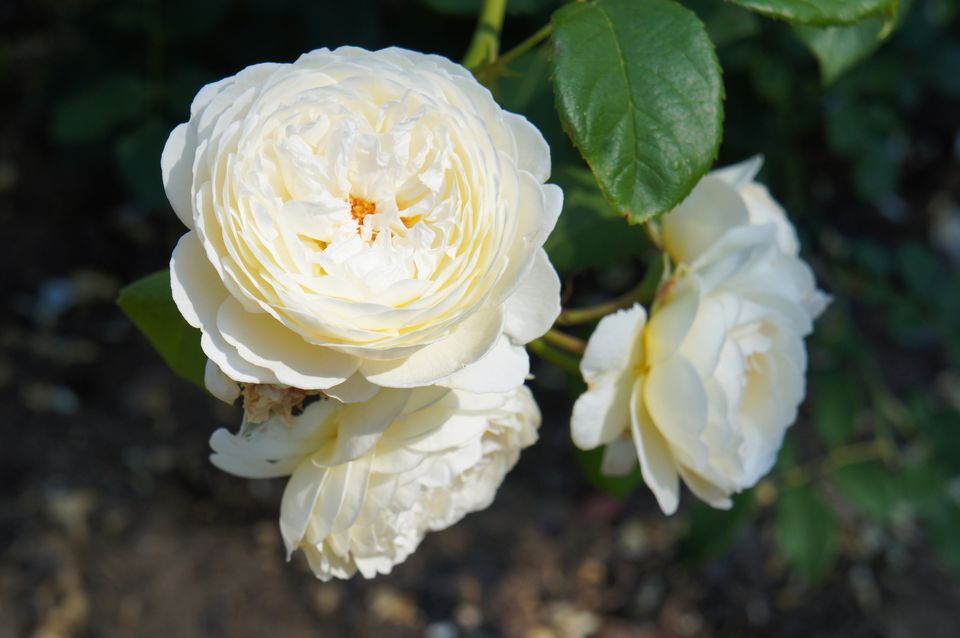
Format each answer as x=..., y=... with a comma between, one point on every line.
x=740, y=174
x=656, y=460
x=264, y=342
x=176, y=168
x=533, y=152
x=671, y=320
x=198, y=293
x=619, y=458
x=361, y=425
x=533, y=307
x=676, y=401
x=502, y=369
x=763, y=208
x=711, y=494
x=600, y=414
x=472, y=339
x=356, y=389
x=687, y=231
x=197, y=290
x=603, y=411
x=540, y=206
x=610, y=349
x=219, y=384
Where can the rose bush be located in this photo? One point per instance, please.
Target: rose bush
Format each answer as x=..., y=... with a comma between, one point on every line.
x=707, y=388
x=372, y=216
x=369, y=480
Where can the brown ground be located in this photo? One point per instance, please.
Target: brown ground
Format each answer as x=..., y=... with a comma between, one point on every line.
x=114, y=524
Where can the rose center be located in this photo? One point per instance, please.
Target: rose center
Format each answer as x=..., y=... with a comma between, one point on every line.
x=360, y=208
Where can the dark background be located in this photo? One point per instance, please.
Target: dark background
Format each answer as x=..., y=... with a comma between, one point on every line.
x=113, y=523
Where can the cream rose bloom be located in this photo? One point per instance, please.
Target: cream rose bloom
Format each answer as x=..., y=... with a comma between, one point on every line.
x=366, y=215
x=725, y=198
x=707, y=388
x=370, y=480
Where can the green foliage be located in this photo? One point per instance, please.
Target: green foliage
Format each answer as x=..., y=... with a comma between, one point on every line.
x=870, y=486
x=639, y=91
x=840, y=48
x=148, y=302
x=617, y=486
x=97, y=109
x=942, y=430
x=838, y=399
x=943, y=532
x=589, y=233
x=712, y=531
x=806, y=531
x=818, y=12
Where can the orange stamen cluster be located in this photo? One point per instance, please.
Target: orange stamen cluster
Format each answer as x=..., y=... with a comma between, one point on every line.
x=360, y=208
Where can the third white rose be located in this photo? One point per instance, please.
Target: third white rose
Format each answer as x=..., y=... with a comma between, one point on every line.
x=705, y=390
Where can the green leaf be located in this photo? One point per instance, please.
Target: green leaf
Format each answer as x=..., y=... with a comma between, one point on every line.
x=618, y=486
x=943, y=532
x=638, y=90
x=838, y=398
x=818, y=12
x=149, y=303
x=96, y=110
x=879, y=491
x=806, y=532
x=869, y=486
x=839, y=48
x=713, y=531
x=943, y=431
x=589, y=233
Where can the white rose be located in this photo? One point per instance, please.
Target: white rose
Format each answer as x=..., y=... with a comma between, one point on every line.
x=725, y=198
x=362, y=214
x=369, y=480
x=709, y=386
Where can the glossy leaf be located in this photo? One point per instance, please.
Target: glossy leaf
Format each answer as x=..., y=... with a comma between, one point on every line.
x=840, y=48
x=148, y=302
x=638, y=90
x=818, y=12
